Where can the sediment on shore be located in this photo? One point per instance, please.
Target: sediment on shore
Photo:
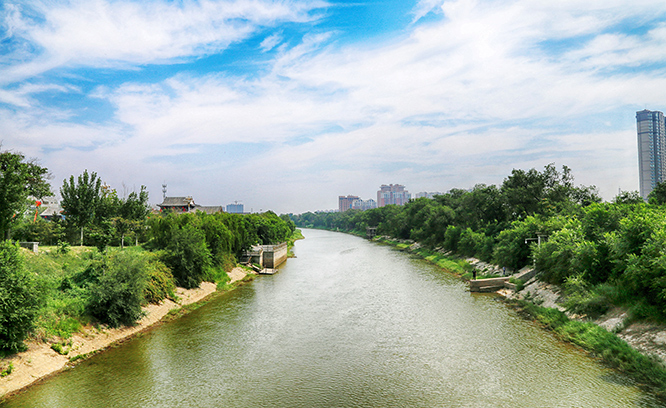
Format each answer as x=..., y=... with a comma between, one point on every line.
x=41, y=361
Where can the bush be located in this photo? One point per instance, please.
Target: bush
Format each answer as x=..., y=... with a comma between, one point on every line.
x=160, y=284
x=39, y=230
x=188, y=256
x=19, y=299
x=520, y=284
x=116, y=298
x=583, y=299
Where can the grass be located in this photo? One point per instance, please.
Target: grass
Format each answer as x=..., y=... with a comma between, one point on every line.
x=5, y=372
x=457, y=266
x=520, y=284
x=612, y=350
x=61, y=278
x=298, y=234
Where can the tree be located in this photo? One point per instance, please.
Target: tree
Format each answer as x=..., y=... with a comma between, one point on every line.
x=19, y=300
x=18, y=180
x=117, y=296
x=628, y=197
x=658, y=195
x=524, y=191
x=132, y=213
x=81, y=199
x=188, y=256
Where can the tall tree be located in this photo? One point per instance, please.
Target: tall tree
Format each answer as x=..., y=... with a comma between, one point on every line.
x=81, y=199
x=18, y=180
x=132, y=213
x=658, y=195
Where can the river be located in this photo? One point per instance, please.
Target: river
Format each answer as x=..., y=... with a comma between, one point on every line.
x=348, y=323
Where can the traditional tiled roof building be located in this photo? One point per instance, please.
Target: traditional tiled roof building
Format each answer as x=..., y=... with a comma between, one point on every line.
x=186, y=204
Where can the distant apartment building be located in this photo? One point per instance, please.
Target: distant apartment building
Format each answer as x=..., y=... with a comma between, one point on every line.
x=345, y=203
x=392, y=194
x=424, y=194
x=235, y=208
x=651, y=150
x=364, y=204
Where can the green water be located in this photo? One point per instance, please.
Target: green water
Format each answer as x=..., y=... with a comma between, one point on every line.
x=346, y=324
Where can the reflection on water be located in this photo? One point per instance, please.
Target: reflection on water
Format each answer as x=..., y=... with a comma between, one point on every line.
x=346, y=324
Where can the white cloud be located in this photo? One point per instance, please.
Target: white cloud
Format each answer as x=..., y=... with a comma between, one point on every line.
x=105, y=33
x=455, y=103
x=423, y=7
x=270, y=42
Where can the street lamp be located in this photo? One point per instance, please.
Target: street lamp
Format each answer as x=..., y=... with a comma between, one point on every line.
x=538, y=239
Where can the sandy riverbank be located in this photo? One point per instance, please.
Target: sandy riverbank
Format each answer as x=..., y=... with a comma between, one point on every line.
x=40, y=361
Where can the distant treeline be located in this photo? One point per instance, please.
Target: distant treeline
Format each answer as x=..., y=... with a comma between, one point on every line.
x=602, y=253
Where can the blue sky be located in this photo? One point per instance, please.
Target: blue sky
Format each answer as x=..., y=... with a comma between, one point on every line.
x=286, y=105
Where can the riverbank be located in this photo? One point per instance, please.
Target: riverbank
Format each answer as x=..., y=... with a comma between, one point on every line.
x=41, y=360
x=637, y=349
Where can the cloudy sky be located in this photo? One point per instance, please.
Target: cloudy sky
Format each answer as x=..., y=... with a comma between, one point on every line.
x=287, y=104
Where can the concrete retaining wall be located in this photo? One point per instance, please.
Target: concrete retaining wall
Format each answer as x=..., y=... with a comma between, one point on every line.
x=487, y=285
x=274, y=255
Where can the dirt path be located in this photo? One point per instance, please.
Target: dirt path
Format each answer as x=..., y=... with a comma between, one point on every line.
x=40, y=361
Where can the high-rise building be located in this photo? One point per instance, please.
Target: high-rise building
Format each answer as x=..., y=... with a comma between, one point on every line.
x=427, y=194
x=364, y=204
x=345, y=203
x=651, y=150
x=235, y=208
x=392, y=194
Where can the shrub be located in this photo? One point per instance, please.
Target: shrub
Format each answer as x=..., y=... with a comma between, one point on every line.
x=520, y=284
x=40, y=230
x=117, y=296
x=583, y=299
x=160, y=284
x=5, y=372
x=19, y=299
x=188, y=256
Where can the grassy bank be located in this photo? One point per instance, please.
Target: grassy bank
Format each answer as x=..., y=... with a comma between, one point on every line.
x=290, y=242
x=451, y=264
x=612, y=350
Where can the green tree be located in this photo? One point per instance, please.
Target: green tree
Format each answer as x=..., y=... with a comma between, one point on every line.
x=117, y=296
x=658, y=195
x=523, y=191
x=19, y=299
x=18, y=180
x=132, y=214
x=40, y=230
x=628, y=197
x=81, y=199
x=188, y=256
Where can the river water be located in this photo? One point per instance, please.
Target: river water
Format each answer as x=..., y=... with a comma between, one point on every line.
x=348, y=323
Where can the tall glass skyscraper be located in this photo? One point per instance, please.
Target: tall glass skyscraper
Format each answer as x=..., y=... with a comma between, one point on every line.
x=651, y=149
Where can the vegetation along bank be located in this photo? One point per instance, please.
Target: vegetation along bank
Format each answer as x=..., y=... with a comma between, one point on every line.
x=603, y=259
x=85, y=288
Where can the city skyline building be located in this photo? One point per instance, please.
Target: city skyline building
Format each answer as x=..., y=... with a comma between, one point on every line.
x=651, y=130
x=427, y=194
x=235, y=208
x=345, y=203
x=392, y=194
x=363, y=205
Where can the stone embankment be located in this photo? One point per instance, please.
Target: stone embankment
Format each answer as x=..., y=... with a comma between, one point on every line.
x=649, y=339
x=41, y=361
